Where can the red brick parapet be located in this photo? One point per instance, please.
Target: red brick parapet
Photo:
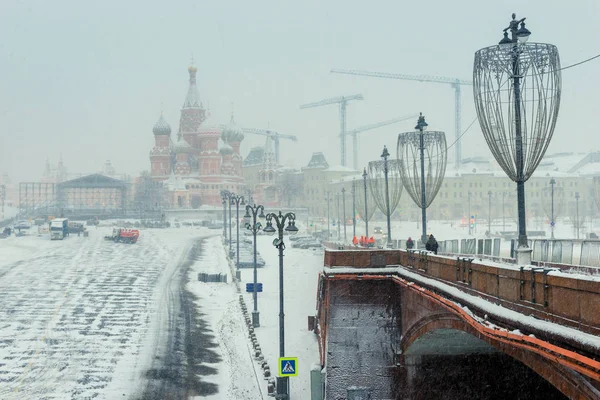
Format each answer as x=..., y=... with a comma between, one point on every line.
x=567, y=299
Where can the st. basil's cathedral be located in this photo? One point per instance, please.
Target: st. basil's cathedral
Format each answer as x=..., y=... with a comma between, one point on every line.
x=204, y=159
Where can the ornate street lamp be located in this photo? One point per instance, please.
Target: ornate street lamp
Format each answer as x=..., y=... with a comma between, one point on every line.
x=354, y=208
x=328, y=198
x=237, y=200
x=225, y=196
x=337, y=208
x=366, y=216
x=553, y=202
x=577, y=223
x=280, y=221
x=252, y=212
x=344, y=212
x=490, y=213
x=416, y=150
x=386, y=196
x=516, y=86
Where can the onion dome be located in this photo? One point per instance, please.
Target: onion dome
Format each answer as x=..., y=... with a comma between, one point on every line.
x=161, y=127
x=232, y=132
x=182, y=146
x=226, y=149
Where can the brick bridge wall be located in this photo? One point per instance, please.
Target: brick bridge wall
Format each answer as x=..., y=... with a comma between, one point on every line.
x=364, y=326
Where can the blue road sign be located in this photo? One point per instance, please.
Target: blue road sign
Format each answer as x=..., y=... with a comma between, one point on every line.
x=288, y=366
x=552, y=223
x=250, y=287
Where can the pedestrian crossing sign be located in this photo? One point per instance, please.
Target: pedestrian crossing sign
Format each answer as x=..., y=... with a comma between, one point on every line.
x=288, y=366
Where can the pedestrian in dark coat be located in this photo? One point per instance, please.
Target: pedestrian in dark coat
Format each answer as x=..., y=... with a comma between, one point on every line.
x=410, y=244
x=432, y=244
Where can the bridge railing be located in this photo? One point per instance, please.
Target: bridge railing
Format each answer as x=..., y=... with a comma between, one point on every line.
x=543, y=292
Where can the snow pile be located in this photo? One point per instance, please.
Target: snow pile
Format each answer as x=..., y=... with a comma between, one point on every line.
x=235, y=377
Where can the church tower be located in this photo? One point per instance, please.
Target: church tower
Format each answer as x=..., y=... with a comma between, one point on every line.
x=193, y=113
x=160, y=156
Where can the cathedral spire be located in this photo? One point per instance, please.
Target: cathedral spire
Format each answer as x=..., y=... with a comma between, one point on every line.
x=192, y=100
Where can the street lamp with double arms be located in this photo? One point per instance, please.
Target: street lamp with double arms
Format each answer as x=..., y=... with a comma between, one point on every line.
x=237, y=200
x=225, y=196
x=252, y=212
x=280, y=221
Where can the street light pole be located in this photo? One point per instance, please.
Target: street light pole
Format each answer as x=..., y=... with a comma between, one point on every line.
x=577, y=212
x=421, y=125
x=230, y=197
x=490, y=213
x=344, y=212
x=337, y=197
x=552, y=223
x=328, y=223
x=385, y=154
x=225, y=199
x=364, y=175
x=252, y=211
x=237, y=200
x=280, y=221
x=353, y=209
x=469, y=216
x=503, y=214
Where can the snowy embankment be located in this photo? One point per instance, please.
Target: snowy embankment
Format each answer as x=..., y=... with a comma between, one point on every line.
x=301, y=271
x=234, y=376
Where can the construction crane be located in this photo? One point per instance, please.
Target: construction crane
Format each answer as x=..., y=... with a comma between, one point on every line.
x=455, y=83
x=342, y=101
x=355, y=132
x=274, y=135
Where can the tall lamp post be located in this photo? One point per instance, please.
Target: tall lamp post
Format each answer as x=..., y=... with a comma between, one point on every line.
x=353, y=209
x=469, y=216
x=344, y=212
x=503, y=214
x=280, y=222
x=230, y=221
x=237, y=200
x=337, y=198
x=424, y=149
x=328, y=223
x=385, y=154
x=252, y=212
x=577, y=213
x=225, y=199
x=364, y=175
x=421, y=125
x=499, y=74
x=490, y=213
x=552, y=223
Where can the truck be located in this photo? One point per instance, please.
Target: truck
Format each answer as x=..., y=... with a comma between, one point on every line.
x=123, y=235
x=76, y=227
x=59, y=228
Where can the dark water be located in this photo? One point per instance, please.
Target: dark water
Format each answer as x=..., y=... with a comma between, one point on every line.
x=474, y=376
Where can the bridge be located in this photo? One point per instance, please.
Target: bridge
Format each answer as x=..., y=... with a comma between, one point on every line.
x=387, y=320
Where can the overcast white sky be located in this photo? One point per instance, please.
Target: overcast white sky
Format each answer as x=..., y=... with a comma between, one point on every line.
x=87, y=79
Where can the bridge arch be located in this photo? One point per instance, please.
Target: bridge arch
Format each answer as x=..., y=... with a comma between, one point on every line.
x=565, y=380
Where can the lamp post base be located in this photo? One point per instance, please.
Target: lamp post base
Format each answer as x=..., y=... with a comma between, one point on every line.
x=255, y=319
x=283, y=388
x=524, y=256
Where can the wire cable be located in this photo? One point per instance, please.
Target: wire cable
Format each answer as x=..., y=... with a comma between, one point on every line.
x=580, y=62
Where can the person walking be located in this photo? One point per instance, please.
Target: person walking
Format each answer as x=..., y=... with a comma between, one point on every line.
x=410, y=244
x=432, y=244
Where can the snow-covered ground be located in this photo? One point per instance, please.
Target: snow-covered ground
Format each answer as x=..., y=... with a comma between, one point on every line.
x=235, y=374
x=301, y=269
x=83, y=317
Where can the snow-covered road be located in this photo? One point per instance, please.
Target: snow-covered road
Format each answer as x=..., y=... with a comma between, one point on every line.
x=78, y=315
